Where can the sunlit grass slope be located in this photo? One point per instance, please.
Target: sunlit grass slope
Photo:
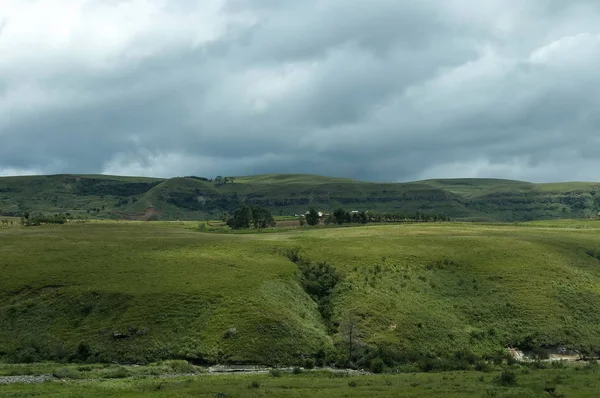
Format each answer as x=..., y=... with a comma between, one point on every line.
x=135, y=292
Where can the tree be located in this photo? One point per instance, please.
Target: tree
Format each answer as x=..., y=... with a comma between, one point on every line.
x=301, y=221
x=219, y=180
x=341, y=216
x=330, y=219
x=312, y=218
x=241, y=218
x=25, y=218
x=350, y=332
x=262, y=218
x=363, y=218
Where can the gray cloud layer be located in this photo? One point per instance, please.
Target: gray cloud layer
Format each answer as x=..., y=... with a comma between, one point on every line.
x=378, y=89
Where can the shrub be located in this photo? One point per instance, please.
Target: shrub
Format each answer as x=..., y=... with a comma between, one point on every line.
x=66, y=373
x=27, y=355
x=540, y=353
x=297, y=371
x=117, y=373
x=353, y=384
x=230, y=333
x=507, y=378
x=591, y=364
x=83, y=352
x=275, y=372
x=293, y=255
x=309, y=363
x=182, y=367
x=377, y=365
x=483, y=366
x=254, y=384
x=559, y=364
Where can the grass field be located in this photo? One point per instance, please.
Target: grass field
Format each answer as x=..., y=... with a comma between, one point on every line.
x=573, y=383
x=418, y=294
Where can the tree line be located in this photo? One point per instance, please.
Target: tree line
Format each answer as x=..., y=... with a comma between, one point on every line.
x=31, y=220
x=218, y=180
x=341, y=216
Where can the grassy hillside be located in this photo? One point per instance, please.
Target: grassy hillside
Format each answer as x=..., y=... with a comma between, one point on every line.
x=95, y=196
x=416, y=294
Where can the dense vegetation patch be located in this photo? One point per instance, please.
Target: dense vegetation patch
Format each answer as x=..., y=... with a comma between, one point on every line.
x=90, y=186
x=247, y=217
x=319, y=280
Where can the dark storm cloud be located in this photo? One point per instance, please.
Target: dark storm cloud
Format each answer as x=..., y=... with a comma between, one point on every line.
x=377, y=90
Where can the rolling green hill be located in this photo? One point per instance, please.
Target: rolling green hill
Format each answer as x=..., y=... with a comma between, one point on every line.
x=415, y=293
x=101, y=196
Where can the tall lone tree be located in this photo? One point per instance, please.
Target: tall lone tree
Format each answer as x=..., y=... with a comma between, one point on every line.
x=312, y=218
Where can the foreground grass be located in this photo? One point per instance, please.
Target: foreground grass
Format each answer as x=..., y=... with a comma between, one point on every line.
x=571, y=382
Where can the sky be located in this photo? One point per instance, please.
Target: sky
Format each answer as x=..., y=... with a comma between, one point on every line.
x=377, y=90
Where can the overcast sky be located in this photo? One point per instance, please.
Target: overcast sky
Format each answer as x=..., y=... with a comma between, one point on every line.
x=382, y=90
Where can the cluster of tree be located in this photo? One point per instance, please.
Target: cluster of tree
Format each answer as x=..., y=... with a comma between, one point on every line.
x=341, y=216
x=219, y=180
x=406, y=217
x=247, y=217
x=30, y=220
x=200, y=178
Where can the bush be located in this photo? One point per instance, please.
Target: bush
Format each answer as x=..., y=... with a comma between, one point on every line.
x=66, y=373
x=353, y=384
x=275, y=372
x=559, y=364
x=182, y=367
x=117, y=373
x=309, y=363
x=507, y=378
x=483, y=366
x=293, y=255
x=230, y=333
x=254, y=384
x=297, y=371
x=83, y=352
x=377, y=365
x=591, y=364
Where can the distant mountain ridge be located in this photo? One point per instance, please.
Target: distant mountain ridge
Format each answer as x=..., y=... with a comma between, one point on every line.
x=196, y=198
